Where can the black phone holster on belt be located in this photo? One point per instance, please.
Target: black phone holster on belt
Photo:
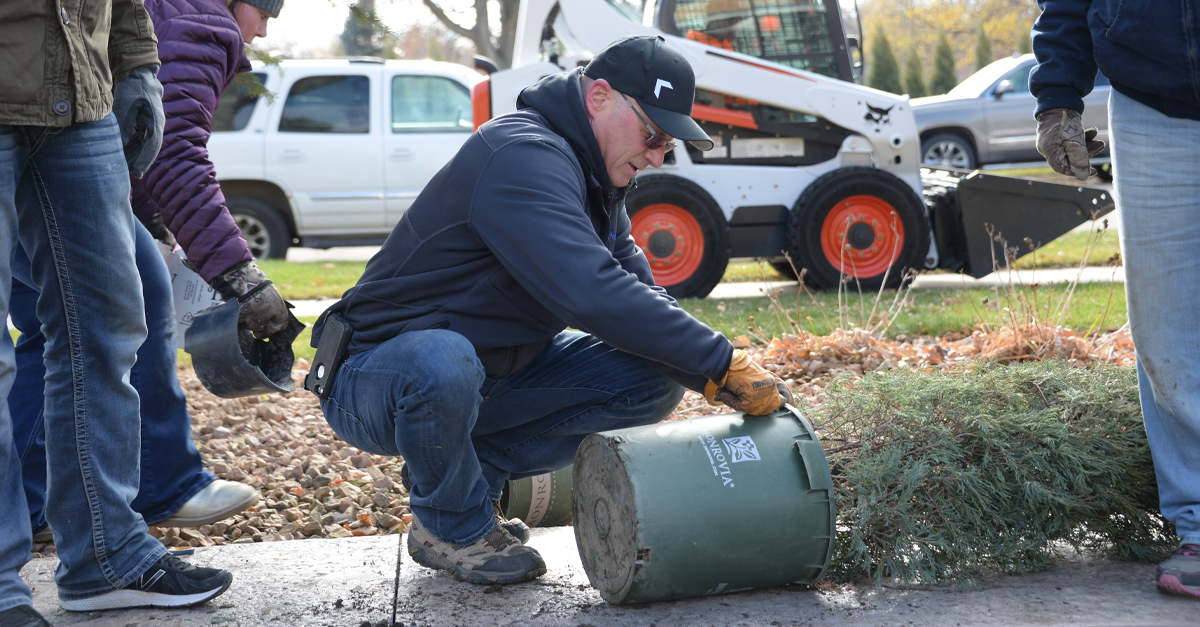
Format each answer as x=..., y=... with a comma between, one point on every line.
x=331, y=352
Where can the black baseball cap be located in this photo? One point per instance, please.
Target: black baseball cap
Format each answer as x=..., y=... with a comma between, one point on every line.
x=648, y=70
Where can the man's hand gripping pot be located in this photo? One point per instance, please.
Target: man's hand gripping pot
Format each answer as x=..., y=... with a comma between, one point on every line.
x=747, y=387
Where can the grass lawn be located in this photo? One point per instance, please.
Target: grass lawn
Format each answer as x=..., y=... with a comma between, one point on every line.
x=1064, y=252
x=927, y=312
x=307, y=280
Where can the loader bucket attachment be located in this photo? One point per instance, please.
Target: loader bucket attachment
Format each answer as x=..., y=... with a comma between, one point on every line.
x=969, y=211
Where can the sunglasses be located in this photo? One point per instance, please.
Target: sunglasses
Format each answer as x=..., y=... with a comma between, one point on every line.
x=656, y=140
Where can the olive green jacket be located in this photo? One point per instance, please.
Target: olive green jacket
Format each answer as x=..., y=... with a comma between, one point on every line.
x=59, y=59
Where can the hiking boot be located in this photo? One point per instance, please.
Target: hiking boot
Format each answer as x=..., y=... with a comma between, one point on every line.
x=1181, y=573
x=22, y=616
x=497, y=558
x=170, y=582
x=514, y=526
x=217, y=501
x=43, y=535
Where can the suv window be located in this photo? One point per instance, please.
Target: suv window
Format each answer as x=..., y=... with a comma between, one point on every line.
x=430, y=104
x=1020, y=80
x=327, y=104
x=236, y=105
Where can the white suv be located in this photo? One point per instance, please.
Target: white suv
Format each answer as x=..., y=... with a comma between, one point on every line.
x=340, y=151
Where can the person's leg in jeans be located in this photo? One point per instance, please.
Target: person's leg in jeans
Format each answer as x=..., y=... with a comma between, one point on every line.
x=423, y=395
x=77, y=227
x=171, y=469
x=27, y=395
x=14, y=522
x=1155, y=161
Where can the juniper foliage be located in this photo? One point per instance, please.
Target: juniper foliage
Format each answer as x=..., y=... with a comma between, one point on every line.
x=950, y=476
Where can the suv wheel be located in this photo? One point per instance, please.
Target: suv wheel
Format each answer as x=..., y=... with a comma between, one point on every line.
x=948, y=151
x=262, y=227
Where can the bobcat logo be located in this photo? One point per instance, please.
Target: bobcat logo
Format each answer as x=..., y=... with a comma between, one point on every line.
x=742, y=449
x=879, y=116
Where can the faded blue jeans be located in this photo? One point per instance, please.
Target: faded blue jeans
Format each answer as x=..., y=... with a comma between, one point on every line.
x=1156, y=180
x=171, y=469
x=65, y=193
x=424, y=395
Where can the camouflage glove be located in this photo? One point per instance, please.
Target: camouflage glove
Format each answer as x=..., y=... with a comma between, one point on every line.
x=1066, y=145
x=263, y=310
x=746, y=387
x=137, y=105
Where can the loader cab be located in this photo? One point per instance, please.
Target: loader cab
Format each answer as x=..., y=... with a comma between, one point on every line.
x=803, y=34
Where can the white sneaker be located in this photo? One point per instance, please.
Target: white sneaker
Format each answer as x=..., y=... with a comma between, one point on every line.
x=217, y=501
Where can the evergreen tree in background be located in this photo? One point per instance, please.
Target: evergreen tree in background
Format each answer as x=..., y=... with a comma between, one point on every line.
x=983, y=49
x=885, y=71
x=914, y=80
x=360, y=37
x=944, y=75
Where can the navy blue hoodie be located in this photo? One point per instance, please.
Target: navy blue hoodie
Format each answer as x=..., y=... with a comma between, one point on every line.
x=520, y=236
x=1148, y=49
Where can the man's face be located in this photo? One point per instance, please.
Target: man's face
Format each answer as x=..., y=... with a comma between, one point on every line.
x=621, y=135
x=252, y=21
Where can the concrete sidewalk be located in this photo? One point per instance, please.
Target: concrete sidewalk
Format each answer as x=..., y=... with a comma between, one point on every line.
x=356, y=581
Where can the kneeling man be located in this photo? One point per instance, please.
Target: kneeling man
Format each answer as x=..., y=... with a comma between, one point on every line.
x=459, y=359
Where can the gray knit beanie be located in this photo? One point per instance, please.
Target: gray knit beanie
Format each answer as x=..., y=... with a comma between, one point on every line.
x=270, y=7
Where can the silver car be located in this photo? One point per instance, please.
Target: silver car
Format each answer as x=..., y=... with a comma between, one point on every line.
x=988, y=118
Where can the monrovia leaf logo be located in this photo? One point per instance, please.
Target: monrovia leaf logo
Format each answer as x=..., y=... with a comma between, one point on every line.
x=742, y=449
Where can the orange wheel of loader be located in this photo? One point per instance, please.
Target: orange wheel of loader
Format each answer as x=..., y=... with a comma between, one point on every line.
x=860, y=223
x=681, y=232
x=862, y=236
x=672, y=241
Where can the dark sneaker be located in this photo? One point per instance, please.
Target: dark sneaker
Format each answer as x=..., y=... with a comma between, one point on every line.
x=22, y=616
x=497, y=558
x=170, y=582
x=514, y=526
x=43, y=535
x=1181, y=573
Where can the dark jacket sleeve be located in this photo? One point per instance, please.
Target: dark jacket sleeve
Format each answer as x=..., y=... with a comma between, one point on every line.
x=1062, y=43
x=534, y=220
x=200, y=56
x=131, y=42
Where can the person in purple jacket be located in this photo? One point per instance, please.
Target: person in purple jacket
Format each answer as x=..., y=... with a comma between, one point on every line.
x=201, y=45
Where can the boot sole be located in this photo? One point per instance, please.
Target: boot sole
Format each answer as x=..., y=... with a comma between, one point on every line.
x=129, y=599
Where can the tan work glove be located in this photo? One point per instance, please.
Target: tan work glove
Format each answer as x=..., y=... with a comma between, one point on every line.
x=264, y=312
x=746, y=387
x=1066, y=145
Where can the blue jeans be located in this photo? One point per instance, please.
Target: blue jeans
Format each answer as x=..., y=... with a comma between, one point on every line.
x=65, y=194
x=1155, y=163
x=171, y=469
x=424, y=395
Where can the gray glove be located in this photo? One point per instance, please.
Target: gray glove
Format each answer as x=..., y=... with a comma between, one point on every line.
x=1065, y=144
x=137, y=104
x=263, y=309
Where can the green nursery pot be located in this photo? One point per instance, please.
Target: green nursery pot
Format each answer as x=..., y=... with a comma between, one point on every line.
x=541, y=501
x=703, y=506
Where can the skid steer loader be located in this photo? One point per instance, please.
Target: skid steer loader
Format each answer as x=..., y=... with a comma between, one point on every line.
x=804, y=164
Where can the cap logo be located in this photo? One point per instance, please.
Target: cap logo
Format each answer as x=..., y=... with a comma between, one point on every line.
x=660, y=84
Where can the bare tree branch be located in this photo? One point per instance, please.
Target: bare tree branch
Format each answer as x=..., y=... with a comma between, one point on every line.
x=451, y=24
